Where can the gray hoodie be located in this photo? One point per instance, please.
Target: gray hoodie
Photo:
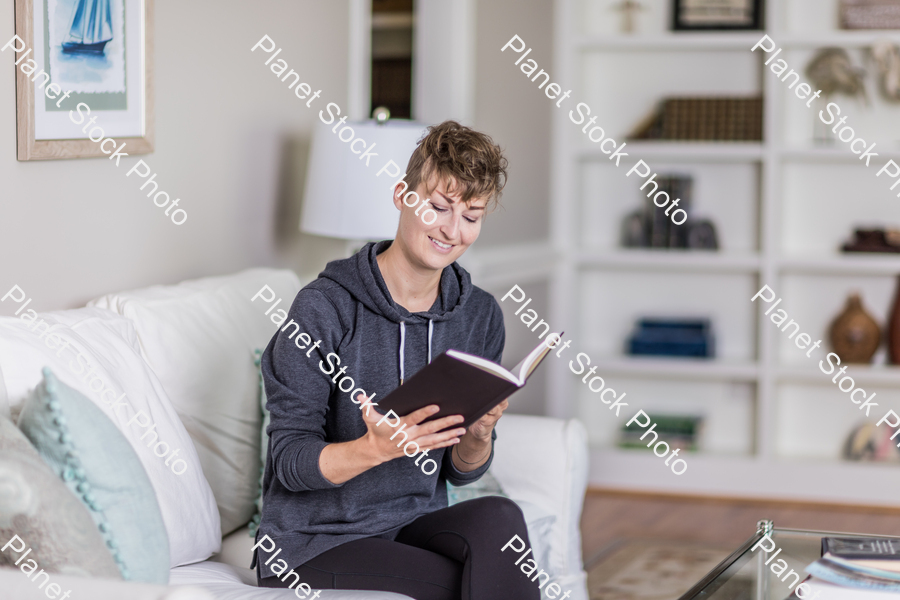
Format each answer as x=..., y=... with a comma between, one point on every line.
x=351, y=311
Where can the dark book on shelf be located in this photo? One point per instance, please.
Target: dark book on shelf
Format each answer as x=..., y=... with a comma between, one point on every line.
x=870, y=14
x=673, y=337
x=704, y=119
x=657, y=222
x=680, y=431
x=680, y=187
x=651, y=227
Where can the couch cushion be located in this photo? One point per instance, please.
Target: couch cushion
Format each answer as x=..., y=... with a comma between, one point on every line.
x=36, y=506
x=95, y=352
x=199, y=337
x=230, y=583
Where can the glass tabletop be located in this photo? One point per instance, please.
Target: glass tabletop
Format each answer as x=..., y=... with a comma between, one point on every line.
x=744, y=575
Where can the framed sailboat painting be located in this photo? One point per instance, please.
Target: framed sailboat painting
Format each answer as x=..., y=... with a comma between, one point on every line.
x=84, y=74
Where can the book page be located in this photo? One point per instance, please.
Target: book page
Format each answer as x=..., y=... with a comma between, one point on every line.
x=483, y=364
x=520, y=372
x=524, y=369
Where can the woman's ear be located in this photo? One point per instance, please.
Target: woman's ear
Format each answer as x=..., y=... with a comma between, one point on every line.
x=398, y=196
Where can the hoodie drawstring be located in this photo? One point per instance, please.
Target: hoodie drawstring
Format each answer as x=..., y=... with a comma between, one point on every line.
x=403, y=345
x=430, y=331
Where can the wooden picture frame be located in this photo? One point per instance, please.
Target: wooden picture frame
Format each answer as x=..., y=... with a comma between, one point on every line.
x=136, y=77
x=687, y=15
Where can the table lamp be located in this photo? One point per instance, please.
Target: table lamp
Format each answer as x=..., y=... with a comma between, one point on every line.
x=343, y=197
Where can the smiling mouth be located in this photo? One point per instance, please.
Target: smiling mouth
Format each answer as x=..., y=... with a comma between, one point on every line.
x=440, y=245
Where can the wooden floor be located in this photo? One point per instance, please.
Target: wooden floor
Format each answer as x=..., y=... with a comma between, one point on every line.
x=612, y=515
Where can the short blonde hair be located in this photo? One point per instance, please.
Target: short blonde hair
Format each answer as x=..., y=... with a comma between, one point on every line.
x=468, y=160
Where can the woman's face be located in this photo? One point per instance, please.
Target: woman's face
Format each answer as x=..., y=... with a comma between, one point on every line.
x=456, y=227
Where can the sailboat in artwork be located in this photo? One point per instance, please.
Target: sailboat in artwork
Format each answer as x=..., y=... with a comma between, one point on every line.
x=91, y=28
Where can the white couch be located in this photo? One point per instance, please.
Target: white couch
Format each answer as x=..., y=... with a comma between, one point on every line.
x=539, y=462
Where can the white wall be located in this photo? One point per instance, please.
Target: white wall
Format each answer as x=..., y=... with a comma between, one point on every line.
x=231, y=142
x=517, y=115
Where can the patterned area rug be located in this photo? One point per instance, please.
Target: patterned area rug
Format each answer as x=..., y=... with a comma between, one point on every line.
x=650, y=570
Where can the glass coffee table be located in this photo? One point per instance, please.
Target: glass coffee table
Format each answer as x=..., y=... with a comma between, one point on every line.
x=744, y=575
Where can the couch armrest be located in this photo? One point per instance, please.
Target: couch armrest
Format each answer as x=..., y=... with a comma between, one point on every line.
x=545, y=461
x=15, y=584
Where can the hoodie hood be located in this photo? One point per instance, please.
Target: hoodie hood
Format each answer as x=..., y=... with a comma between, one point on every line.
x=361, y=277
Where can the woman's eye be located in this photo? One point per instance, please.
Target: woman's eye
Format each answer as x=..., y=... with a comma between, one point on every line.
x=438, y=208
x=475, y=220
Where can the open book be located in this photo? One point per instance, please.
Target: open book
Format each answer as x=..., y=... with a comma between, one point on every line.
x=463, y=384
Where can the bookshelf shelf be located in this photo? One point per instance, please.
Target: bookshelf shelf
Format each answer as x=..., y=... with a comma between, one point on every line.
x=669, y=260
x=862, y=374
x=678, y=368
x=782, y=209
x=835, y=38
x=843, y=265
x=669, y=41
x=749, y=477
x=691, y=151
x=837, y=154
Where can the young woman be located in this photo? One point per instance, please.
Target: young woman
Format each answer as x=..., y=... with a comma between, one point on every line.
x=342, y=502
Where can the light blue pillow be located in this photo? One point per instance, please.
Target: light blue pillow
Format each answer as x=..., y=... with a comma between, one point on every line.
x=253, y=525
x=487, y=485
x=85, y=448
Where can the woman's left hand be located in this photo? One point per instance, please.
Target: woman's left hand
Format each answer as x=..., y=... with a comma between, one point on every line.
x=482, y=428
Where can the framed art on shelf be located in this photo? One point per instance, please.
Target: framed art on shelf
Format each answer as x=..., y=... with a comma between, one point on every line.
x=693, y=15
x=84, y=72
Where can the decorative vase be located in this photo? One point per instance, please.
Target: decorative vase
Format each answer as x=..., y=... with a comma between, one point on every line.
x=855, y=335
x=892, y=335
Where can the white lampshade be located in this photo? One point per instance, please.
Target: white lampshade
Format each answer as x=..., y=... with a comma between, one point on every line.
x=343, y=197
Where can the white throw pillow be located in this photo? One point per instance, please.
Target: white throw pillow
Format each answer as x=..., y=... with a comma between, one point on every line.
x=199, y=337
x=95, y=352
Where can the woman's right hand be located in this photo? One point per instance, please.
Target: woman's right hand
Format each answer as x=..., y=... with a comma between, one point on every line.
x=428, y=436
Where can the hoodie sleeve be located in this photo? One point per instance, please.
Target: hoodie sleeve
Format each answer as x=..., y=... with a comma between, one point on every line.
x=496, y=334
x=298, y=391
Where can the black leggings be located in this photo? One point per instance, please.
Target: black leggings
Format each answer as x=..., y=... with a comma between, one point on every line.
x=450, y=554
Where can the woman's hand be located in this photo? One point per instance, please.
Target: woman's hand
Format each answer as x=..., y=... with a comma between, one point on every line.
x=475, y=446
x=382, y=448
x=341, y=462
x=482, y=428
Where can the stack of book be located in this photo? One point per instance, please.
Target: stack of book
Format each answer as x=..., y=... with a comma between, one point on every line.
x=649, y=227
x=706, y=119
x=870, y=14
x=679, y=431
x=673, y=337
x=862, y=563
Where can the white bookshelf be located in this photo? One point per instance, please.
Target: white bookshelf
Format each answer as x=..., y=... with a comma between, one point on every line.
x=774, y=425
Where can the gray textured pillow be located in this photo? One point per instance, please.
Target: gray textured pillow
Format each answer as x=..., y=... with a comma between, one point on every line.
x=4, y=398
x=36, y=506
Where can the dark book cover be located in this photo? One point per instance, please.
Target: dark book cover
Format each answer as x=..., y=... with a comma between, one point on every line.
x=680, y=187
x=463, y=384
x=457, y=387
x=862, y=548
x=659, y=222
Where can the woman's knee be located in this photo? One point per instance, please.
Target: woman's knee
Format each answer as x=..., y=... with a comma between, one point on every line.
x=498, y=508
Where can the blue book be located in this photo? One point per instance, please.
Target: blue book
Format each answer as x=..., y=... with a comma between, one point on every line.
x=673, y=337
